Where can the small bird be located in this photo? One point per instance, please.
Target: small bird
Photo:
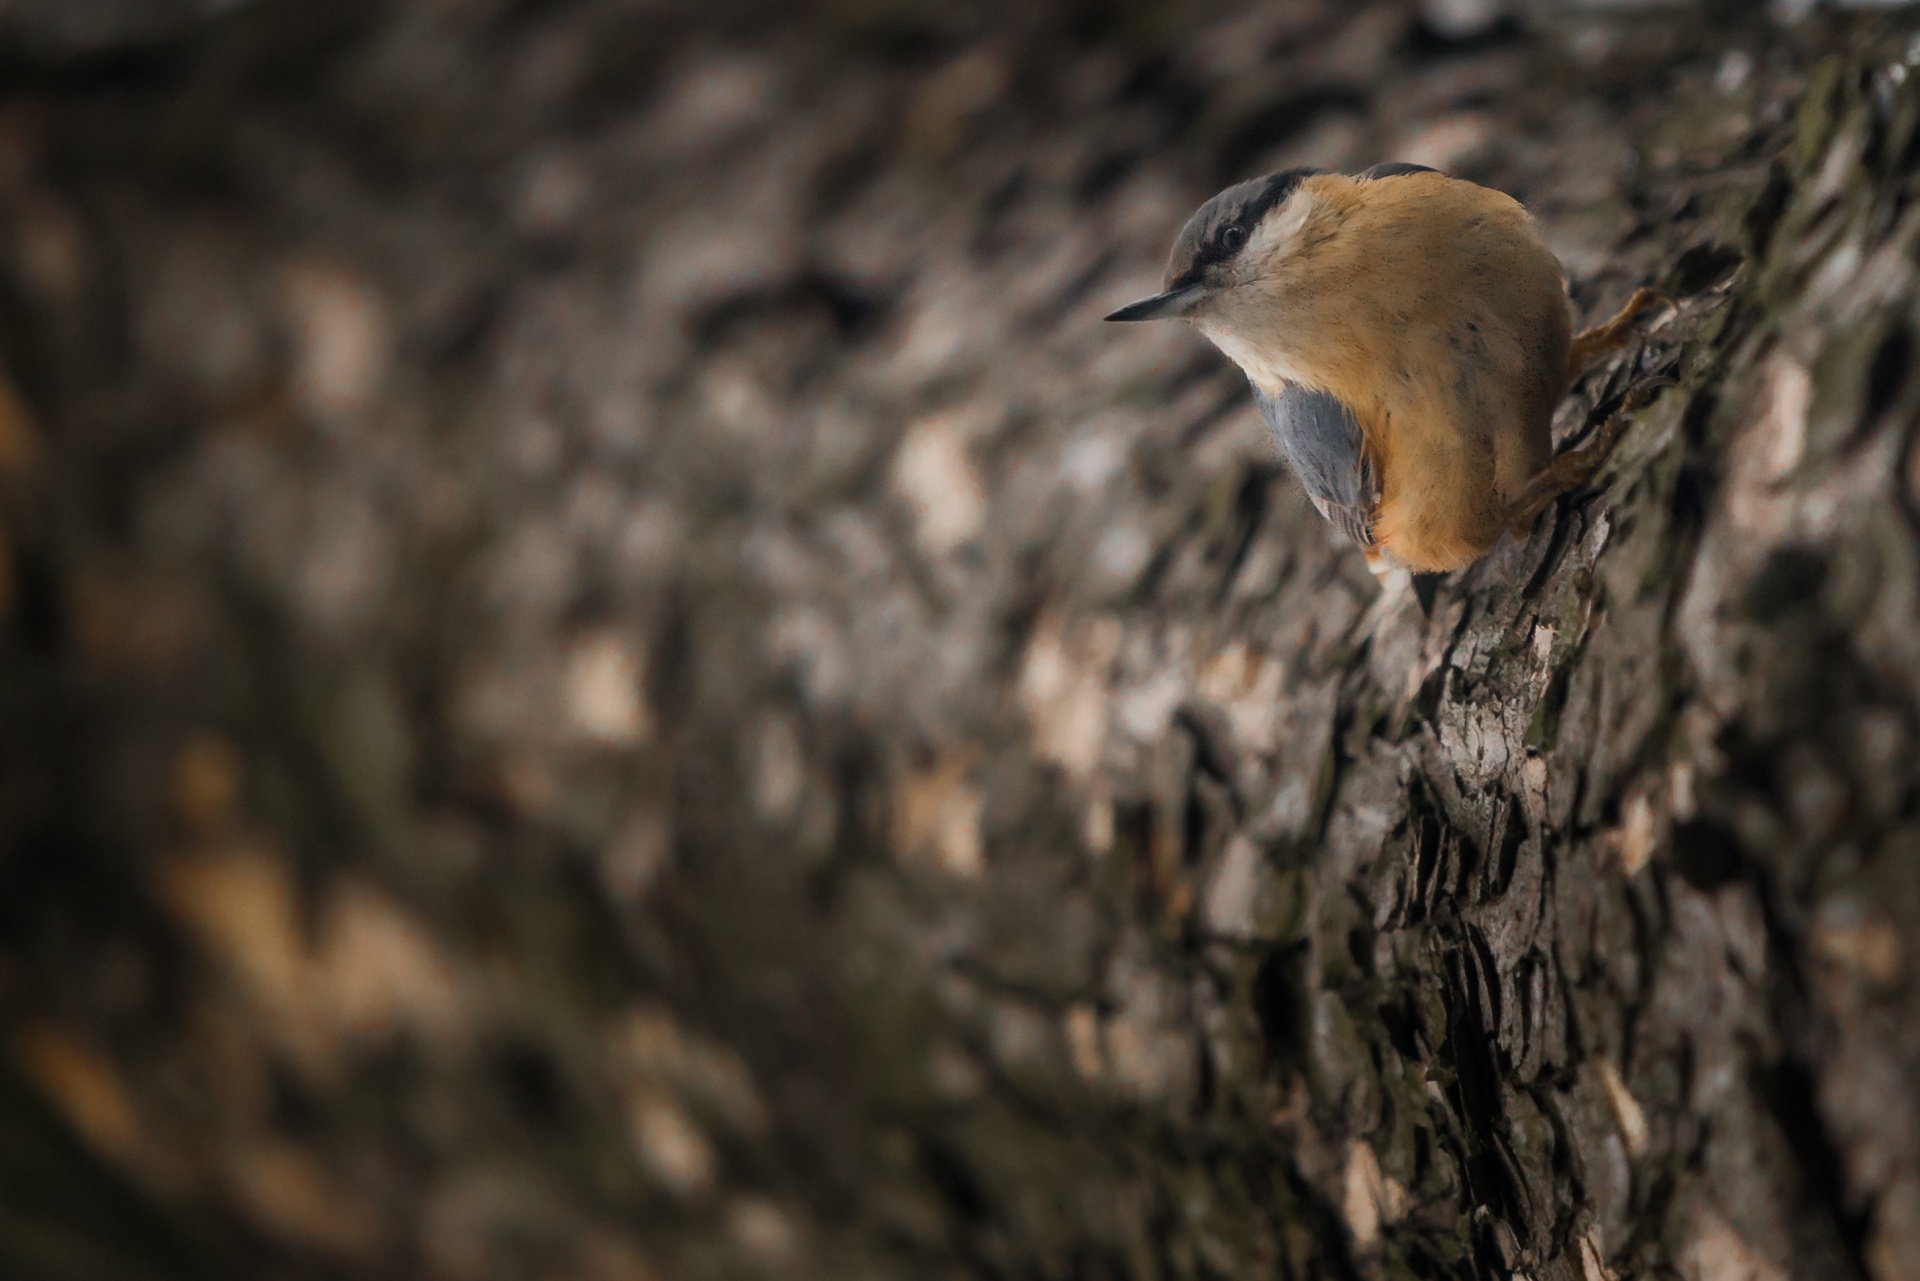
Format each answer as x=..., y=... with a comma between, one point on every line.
x=1408, y=336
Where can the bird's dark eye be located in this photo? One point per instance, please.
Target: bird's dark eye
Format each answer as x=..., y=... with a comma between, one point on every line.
x=1232, y=237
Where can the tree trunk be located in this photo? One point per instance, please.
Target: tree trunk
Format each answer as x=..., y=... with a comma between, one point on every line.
x=608, y=674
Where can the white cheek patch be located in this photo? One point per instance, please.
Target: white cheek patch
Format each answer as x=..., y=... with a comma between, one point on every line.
x=1274, y=238
x=1266, y=367
x=1237, y=349
x=1239, y=320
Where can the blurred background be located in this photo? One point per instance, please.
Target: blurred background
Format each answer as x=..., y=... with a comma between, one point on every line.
x=608, y=675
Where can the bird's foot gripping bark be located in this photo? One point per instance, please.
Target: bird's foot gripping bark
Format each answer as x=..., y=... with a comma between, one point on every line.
x=1573, y=468
x=1610, y=333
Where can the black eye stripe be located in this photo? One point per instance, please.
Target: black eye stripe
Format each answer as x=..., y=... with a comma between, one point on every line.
x=1275, y=190
x=1231, y=238
x=1221, y=228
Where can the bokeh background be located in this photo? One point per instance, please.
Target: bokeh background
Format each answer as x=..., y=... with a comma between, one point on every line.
x=608, y=675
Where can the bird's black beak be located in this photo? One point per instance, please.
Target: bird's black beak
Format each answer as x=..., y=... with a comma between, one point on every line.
x=1167, y=306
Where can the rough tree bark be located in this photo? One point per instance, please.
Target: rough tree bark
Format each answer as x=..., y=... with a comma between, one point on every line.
x=607, y=675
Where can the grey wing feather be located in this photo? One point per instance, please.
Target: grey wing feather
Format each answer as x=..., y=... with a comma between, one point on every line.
x=1323, y=445
x=1394, y=168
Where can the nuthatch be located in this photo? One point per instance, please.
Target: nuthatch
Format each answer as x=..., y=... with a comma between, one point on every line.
x=1408, y=337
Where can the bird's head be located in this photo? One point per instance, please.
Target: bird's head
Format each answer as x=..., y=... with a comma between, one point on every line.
x=1236, y=238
